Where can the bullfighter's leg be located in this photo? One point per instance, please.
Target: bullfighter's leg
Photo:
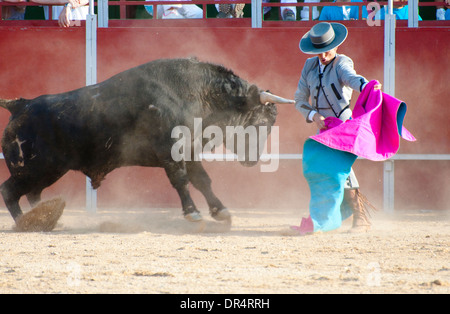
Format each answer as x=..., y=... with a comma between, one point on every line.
x=176, y=171
x=201, y=181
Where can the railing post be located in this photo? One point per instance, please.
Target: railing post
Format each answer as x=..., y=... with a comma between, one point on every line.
x=256, y=13
x=413, y=13
x=389, y=52
x=389, y=88
x=388, y=186
x=102, y=10
x=91, y=78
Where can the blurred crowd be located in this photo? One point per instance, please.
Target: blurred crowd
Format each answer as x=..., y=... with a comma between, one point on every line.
x=66, y=11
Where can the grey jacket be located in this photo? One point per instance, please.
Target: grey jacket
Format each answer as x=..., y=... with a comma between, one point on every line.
x=330, y=95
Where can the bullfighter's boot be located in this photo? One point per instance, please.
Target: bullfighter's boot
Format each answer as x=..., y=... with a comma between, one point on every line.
x=358, y=203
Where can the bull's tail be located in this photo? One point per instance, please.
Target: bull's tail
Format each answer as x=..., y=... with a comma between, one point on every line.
x=13, y=105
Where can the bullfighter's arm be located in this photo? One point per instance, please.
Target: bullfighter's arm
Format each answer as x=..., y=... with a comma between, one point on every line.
x=302, y=98
x=348, y=74
x=350, y=78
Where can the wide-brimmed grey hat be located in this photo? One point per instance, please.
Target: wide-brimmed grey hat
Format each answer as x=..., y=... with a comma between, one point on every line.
x=323, y=37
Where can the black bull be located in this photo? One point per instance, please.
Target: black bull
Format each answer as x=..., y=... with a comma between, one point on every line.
x=127, y=120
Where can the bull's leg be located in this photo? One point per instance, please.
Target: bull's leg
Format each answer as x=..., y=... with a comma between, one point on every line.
x=41, y=180
x=176, y=171
x=11, y=195
x=201, y=181
x=30, y=185
x=34, y=197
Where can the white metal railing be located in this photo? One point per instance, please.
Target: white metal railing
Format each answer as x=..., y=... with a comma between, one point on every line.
x=388, y=182
x=257, y=9
x=388, y=173
x=257, y=6
x=388, y=169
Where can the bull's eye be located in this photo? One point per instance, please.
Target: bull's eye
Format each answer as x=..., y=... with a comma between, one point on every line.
x=263, y=122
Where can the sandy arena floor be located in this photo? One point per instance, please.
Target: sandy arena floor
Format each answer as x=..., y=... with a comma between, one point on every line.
x=157, y=251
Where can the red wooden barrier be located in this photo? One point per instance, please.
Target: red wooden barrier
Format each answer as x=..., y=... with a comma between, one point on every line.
x=41, y=60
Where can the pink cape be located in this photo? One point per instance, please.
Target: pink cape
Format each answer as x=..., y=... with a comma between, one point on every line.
x=374, y=130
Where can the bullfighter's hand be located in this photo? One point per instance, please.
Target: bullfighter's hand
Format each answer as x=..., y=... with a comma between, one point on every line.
x=378, y=86
x=319, y=121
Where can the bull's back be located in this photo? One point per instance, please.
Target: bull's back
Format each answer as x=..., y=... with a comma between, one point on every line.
x=141, y=104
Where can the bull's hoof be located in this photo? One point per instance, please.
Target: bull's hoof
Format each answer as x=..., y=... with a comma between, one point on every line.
x=193, y=217
x=221, y=215
x=41, y=218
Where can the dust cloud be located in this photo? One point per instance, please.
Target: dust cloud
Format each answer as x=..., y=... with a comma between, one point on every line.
x=157, y=251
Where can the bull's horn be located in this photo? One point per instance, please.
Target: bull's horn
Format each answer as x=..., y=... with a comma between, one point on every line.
x=268, y=97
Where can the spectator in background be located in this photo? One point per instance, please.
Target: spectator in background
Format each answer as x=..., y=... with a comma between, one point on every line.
x=66, y=11
x=340, y=13
x=304, y=14
x=227, y=10
x=443, y=14
x=440, y=14
x=179, y=11
x=400, y=12
x=13, y=12
x=287, y=13
x=149, y=9
x=447, y=12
